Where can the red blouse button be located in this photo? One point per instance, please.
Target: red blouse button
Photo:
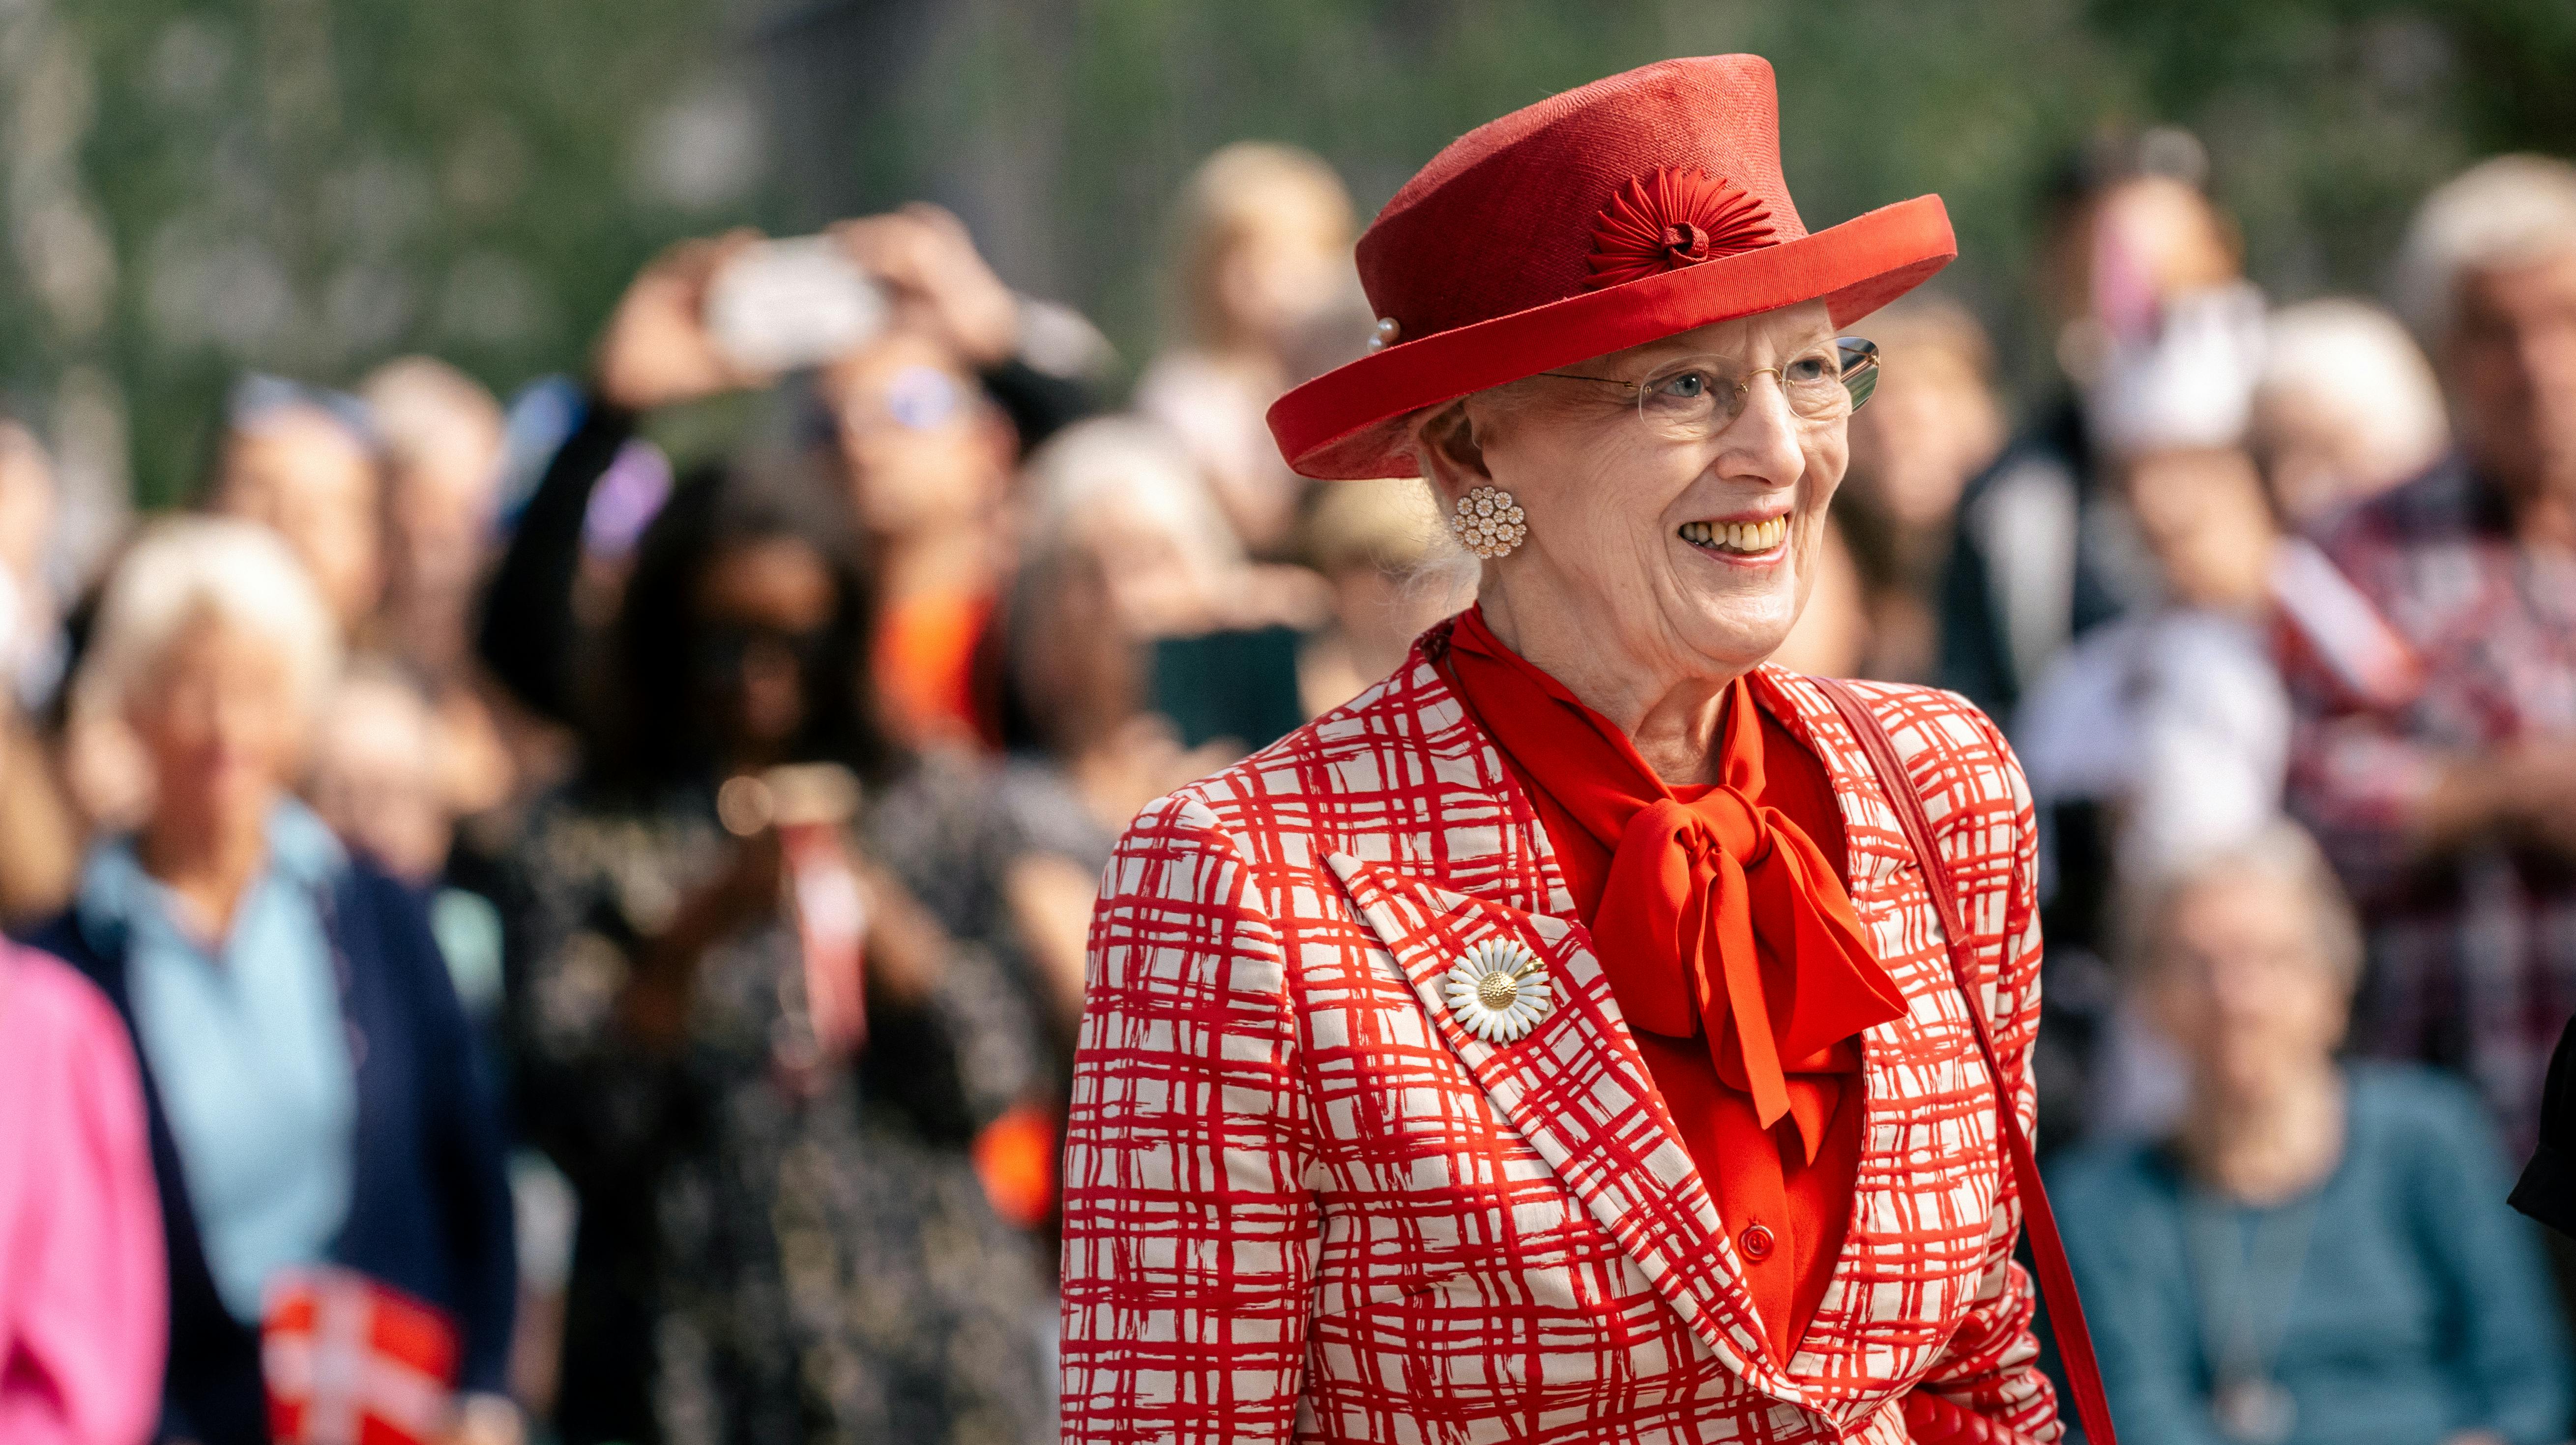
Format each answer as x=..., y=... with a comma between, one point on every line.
x=1756, y=1242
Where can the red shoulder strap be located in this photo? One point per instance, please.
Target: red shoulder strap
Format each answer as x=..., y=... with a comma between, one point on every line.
x=2048, y=1249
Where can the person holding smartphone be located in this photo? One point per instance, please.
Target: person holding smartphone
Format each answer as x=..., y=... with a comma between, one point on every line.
x=926, y=383
x=750, y=1028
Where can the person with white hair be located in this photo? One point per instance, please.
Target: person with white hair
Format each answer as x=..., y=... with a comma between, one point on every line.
x=2345, y=407
x=2450, y=806
x=2316, y=1251
x=320, y=1128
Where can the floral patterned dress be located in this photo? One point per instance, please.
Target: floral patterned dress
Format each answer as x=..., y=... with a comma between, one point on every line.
x=760, y=1261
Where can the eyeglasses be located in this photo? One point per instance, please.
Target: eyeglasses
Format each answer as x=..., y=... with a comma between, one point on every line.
x=1697, y=397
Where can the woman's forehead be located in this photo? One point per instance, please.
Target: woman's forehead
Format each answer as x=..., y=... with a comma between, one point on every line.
x=1787, y=329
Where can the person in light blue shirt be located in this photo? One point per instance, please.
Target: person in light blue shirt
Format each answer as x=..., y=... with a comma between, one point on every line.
x=310, y=1081
x=243, y=1035
x=2320, y=1253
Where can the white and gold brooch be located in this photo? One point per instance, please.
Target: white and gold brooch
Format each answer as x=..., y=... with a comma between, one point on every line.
x=1499, y=991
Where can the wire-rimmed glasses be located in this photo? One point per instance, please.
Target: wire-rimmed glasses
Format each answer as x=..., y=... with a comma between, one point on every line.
x=1694, y=398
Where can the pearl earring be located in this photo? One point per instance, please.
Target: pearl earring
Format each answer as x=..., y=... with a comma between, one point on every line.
x=1488, y=523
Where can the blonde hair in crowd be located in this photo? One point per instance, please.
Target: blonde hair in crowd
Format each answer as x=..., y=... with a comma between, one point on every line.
x=187, y=569
x=1232, y=196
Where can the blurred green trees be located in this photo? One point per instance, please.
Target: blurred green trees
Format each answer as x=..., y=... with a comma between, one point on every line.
x=193, y=186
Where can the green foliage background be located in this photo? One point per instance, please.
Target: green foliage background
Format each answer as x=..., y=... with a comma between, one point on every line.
x=314, y=185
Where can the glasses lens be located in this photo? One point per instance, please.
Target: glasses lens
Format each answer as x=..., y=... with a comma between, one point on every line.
x=1690, y=400
x=1813, y=382
x=1860, y=368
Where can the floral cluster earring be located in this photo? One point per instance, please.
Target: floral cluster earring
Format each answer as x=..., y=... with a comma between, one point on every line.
x=1488, y=523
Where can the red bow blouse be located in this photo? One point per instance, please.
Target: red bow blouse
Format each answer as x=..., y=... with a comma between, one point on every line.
x=1729, y=939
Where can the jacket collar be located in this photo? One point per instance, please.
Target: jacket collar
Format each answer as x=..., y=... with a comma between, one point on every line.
x=1575, y=1086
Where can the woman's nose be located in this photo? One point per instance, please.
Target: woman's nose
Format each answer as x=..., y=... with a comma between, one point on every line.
x=1763, y=443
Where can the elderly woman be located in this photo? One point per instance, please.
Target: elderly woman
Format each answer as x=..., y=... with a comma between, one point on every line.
x=1560, y=1041
x=318, y=1123
x=2317, y=1253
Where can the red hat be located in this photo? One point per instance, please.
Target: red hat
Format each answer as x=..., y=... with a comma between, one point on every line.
x=1629, y=210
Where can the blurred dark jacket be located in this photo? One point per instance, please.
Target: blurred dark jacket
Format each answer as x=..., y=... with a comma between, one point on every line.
x=429, y=1203
x=2042, y=555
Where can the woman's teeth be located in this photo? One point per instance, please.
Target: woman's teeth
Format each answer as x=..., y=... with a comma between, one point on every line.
x=1745, y=537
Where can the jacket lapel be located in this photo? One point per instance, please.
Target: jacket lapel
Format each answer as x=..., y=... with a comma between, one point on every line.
x=1887, y=889
x=1577, y=1090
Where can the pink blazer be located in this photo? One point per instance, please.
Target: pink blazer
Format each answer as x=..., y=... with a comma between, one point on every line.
x=82, y=1304
x=1303, y=1202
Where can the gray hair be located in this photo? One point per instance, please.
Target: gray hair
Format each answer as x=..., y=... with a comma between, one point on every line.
x=2503, y=212
x=1128, y=462
x=189, y=568
x=2359, y=360
x=2280, y=851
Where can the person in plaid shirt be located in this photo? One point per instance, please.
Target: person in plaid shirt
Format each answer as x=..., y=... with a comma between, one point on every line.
x=2449, y=806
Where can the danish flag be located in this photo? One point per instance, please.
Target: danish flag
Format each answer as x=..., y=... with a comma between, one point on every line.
x=352, y=1361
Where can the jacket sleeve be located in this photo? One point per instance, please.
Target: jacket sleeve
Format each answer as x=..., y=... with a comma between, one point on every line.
x=86, y=1318
x=527, y=634
x=1190, y=1228
x=467, y=1147
x=1992, y=1363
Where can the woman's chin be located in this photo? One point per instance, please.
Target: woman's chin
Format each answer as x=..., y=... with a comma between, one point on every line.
x=1740, y=631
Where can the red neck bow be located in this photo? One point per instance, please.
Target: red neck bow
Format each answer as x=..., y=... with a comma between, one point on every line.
x=1717, y=915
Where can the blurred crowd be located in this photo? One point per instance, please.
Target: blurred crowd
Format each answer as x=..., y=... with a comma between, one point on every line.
x=521, y=938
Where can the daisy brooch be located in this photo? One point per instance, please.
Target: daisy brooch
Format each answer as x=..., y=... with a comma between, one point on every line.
x=1499, y=990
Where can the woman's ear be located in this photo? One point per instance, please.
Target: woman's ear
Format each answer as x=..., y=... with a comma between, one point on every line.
x=1452, y=457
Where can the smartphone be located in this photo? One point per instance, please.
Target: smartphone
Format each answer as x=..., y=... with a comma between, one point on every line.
x=785, y=305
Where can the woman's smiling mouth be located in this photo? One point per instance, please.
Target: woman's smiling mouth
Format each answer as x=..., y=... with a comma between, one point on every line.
x=1736, y=539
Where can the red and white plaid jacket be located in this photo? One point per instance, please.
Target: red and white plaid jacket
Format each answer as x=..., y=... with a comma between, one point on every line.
x=1302, y=1202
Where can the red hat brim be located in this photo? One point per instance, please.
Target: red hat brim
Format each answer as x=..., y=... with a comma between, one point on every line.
x=1351, y=421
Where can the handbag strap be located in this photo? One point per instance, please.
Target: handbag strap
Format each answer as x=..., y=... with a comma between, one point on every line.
x=2047, y=1247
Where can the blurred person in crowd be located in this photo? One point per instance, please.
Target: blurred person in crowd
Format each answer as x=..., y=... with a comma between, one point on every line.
x=309, y=465
x=380, y=780
x=2450, y=807
x=441, y=435
x=2175, y=717
x=2346, y=407
x=762, y=1057
x=315, y=1100
x=2138, y=258
x=83, y=1322
x=1223, y=630
x=2165, y=732
x=1393, y=571
x=1123, y=547
x=928, y=460
x=32, y=648
x=2318, y=1252
x=921, y=422
x=40, y=830
x=1933, y=424
x=1263, y=243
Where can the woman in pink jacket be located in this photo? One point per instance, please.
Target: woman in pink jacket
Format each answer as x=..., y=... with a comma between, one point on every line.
x=82, y=1331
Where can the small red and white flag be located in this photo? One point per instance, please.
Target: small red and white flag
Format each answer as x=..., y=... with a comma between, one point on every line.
x=350, y=1360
